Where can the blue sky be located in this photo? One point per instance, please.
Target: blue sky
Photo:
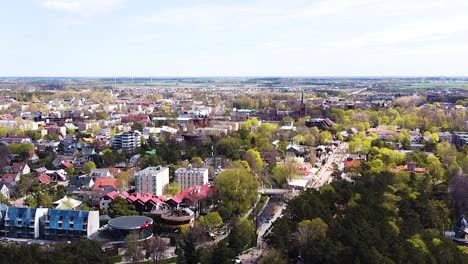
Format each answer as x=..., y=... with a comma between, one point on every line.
x=234, y=38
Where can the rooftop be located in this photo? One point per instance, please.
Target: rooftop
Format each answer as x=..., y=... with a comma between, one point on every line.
x=131, y=222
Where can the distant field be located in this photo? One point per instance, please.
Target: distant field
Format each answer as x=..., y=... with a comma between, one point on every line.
x=436, y=85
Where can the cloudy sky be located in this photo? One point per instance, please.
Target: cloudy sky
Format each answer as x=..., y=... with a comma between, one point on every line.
x=234, y=38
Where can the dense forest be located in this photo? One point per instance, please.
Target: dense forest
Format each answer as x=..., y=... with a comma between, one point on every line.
x=377, y=218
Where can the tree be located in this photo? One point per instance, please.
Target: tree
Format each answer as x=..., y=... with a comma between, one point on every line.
x=101, y=116
x=137, y=126
x=30, y=202
x=21, y=149
x=197, y=161
x=237, y=190
x=229, y=147
x=285, y=172
x=223, y=255
x=133, y=251
x=446, y=153
x=254, y=159
x=211, y=220
x=4, y=200
x=123, y=179
x=273, y=256
x=45, y=200
x=89, y=166
x=155, y=248
x=172, y=189
x=186, y=251
x=325, y=137
x=242, y=235
x=120, y=207
x=70, y=171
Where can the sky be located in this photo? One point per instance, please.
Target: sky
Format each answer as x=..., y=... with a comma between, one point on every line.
x=234, y=38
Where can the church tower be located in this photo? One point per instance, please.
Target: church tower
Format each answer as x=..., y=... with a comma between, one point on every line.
x=302, y=111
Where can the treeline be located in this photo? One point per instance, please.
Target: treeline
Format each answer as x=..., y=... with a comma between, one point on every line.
x=379, y=218
x=83, y=251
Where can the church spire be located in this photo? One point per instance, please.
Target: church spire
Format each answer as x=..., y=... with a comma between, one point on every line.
x=302, y=97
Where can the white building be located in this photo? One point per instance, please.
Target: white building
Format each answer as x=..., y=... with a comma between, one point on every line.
x=129, y=140
x=190, y=177
x=152, y=180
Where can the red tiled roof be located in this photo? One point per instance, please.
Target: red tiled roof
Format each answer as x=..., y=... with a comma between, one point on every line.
x=420, y=170
x=9, y=177
x=101, y=182
x=113, y=195
x=199, y=192
x=352, y=163
x=44, y=178
x=66, y=164
x=143, y=198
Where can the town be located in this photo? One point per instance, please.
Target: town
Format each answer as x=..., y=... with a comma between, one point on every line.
x=235, y=170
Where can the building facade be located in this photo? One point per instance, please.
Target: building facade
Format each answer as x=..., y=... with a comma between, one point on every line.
x=460, y=139
x=191, y=177
x=53, y=224
x=68, y=224
x=128, y=141
x=152, y=180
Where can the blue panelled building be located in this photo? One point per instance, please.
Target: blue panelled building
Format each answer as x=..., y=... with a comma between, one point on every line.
x=53, y=224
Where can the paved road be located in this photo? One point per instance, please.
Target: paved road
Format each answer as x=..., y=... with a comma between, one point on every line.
x=253, y=255
x=324, y=175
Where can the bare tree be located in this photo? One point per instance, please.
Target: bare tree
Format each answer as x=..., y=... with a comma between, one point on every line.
x=133, y=252
x=155, y=248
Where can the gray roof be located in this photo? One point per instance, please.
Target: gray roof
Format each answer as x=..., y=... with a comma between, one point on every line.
x=131, y=222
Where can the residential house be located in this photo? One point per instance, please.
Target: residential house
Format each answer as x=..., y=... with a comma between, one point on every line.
x=6, y=190
x=21, y=168
x=11, y=178
x=44, y=179
x=67, y=203
x=110, y=184
x=104, y=173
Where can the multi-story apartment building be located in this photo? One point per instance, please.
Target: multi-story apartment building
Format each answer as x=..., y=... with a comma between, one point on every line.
x=66, y=224
x=128, y=141
x=53, y=224
x=23, y=222
x=460, y=139
x=191, y=177
x=152, y=180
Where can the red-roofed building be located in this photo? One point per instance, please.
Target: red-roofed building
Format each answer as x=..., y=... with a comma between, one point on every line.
x=410, y=167
x=303, y=168
x=107, y=199
x=352, y=163
x=101, y=183
x=66, y=164
x=192, y=196
x=44, y=179
x=142, y=202
x=113, y=170
x=136, y=118
x=11, y=177
x=33, y=157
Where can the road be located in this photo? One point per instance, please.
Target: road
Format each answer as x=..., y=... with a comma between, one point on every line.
x=254, y=254
x=324, y=175
x=358, y=91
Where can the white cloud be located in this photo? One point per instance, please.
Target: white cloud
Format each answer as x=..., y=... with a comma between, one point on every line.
x=83, y=7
